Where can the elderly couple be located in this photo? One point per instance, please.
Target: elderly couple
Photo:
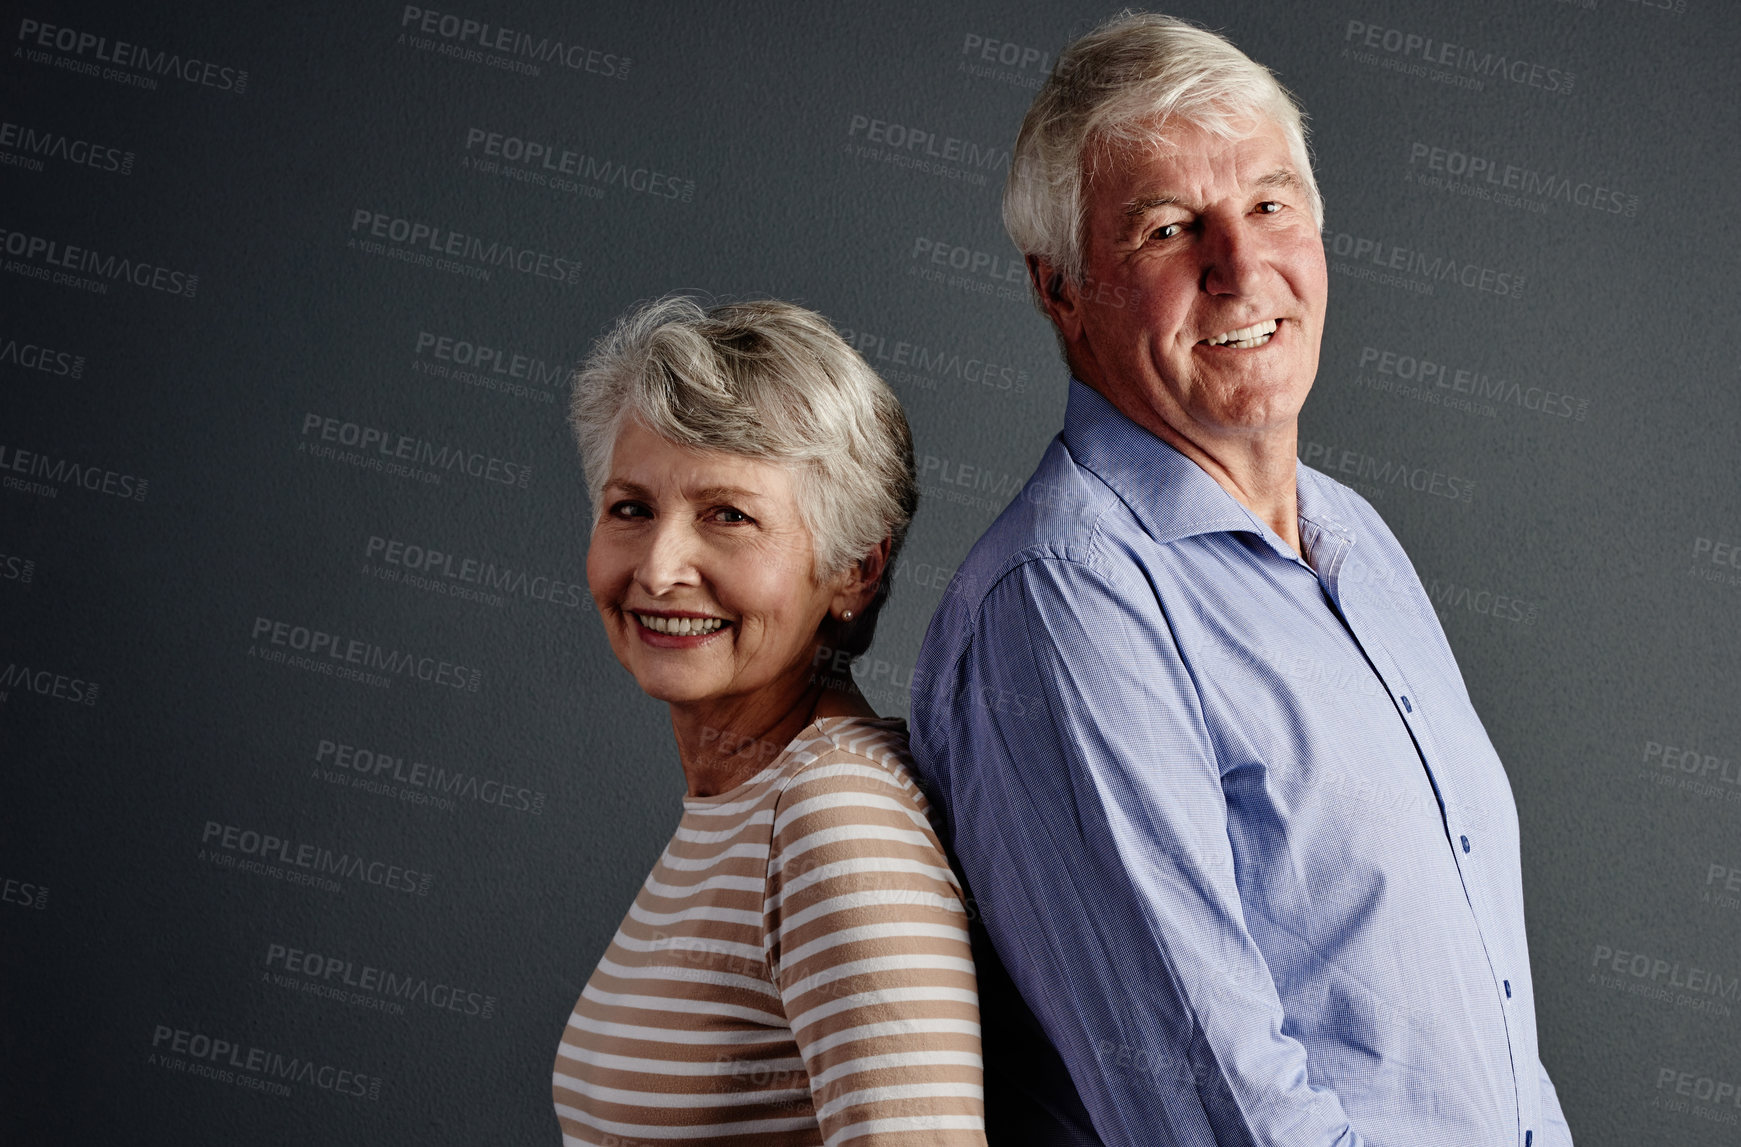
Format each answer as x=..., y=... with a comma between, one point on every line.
x=1242, y=869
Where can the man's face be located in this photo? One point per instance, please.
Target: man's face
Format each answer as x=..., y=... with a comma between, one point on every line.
x=1189, y=242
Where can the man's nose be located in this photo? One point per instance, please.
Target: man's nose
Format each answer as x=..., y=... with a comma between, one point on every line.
x=1233, y=259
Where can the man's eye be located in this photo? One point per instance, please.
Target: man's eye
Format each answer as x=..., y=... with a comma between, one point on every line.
x=1166, y=230
x=730, y=516
x=630, y=510
x=1269, y=207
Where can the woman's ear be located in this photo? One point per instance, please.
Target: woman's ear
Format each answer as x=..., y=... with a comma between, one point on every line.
x=862, y=579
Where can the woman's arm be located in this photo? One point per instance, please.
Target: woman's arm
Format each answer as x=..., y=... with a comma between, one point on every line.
x=867, y=938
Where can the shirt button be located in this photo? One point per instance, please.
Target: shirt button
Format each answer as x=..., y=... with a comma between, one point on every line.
x=1508, y=989
x=1406, y=707
x=1465, y=841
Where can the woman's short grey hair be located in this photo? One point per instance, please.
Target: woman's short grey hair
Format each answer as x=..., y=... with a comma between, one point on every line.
x=771, y=381
x=1120, y=85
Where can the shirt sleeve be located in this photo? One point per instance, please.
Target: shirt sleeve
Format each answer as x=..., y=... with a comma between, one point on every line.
x=1091, y=825
x=867, y=938
x=1555, y=1130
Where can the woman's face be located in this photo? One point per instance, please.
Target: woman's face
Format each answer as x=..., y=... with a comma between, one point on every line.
x=702, y=569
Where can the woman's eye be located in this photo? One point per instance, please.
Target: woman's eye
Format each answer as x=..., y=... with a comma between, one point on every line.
x=630, y=510
x=730, y=516
x=1269, y=207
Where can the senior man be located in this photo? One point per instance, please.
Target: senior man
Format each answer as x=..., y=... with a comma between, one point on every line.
x=1237, y=836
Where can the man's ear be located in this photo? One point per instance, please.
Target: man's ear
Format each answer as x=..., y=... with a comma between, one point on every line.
x=1058, y=296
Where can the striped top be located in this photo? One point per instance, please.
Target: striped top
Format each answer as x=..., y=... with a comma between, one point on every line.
x=795, y=970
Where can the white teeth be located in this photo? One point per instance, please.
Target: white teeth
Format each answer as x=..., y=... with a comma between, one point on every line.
x=1246, y=337
x=680, y=626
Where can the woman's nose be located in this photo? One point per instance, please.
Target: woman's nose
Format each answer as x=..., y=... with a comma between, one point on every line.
x=669, y=559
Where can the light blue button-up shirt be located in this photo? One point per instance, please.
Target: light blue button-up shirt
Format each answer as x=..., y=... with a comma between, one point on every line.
x=1231, y=823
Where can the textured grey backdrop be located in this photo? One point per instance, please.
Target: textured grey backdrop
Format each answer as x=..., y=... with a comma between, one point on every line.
x=322, y=792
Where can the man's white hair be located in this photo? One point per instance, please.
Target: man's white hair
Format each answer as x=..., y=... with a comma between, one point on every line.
x=1118, y=88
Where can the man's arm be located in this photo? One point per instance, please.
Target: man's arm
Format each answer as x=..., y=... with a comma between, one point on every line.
x=1555, y=1131
x=1091, y=822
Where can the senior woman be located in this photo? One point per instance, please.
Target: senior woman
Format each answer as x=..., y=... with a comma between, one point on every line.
x=796, y=968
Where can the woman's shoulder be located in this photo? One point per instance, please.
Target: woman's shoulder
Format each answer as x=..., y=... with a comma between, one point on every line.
x=847, y=756
x=878, y=742
x=880, y=739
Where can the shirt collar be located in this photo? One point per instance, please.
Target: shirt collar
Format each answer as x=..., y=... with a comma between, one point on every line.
x=1171, y=496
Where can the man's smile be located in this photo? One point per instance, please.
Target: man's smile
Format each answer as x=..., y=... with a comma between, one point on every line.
x=1245, y=337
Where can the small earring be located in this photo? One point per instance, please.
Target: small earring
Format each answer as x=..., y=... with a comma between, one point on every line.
x=846, y=615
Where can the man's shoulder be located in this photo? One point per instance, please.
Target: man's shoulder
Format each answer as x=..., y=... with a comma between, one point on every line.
x=1349, y=507
x=1065, y=538
x=1379, y=571
x=1061, y=514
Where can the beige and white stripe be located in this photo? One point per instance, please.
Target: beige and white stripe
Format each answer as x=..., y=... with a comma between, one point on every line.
x=795, y=970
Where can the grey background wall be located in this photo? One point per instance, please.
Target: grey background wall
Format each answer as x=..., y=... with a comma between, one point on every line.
x=320, y=791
